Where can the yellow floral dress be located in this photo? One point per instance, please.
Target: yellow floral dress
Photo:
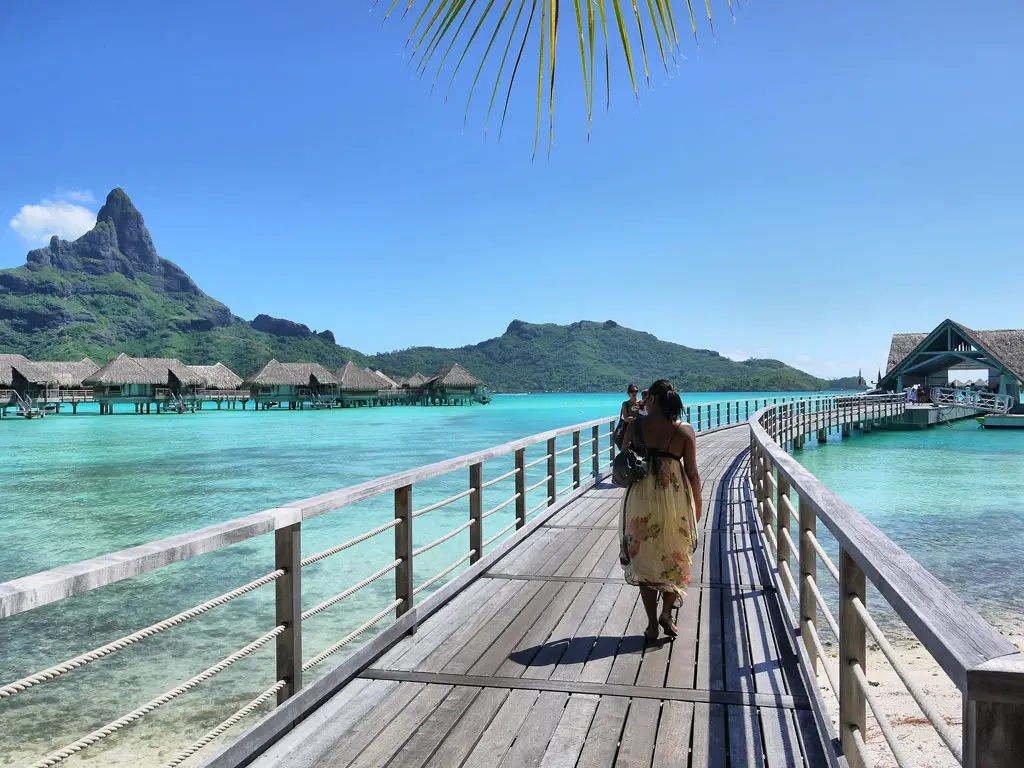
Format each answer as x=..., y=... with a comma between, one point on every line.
x=656, y=541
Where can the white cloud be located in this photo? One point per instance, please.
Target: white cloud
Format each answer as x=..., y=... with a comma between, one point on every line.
x=36, y=224
x=83, y=196
x=739, y=355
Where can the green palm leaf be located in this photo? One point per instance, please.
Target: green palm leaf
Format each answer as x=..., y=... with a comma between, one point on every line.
x=441, y=24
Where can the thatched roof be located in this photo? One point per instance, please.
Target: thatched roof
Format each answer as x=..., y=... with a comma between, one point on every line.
x=70, y=374
x=356, y=379
x=389, y=383
x=902, y=344
x=1006, y=347
x=453, y=376
x=144, y=370
x=217, y=376
x=34, y=373
x=275, y=374
x=414, y=381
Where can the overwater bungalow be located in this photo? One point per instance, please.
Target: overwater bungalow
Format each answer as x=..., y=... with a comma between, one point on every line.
x=69, y=382
x=953, y=352
x=293, y=383
x=21, y=382
x=359, y=386
x=164, y=382
x=221, y=385
x=454, y=385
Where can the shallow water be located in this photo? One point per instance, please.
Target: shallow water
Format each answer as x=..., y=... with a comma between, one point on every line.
x=952, y=498
x=73, y=487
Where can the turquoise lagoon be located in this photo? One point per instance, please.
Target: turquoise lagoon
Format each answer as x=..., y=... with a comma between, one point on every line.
x=73, y=487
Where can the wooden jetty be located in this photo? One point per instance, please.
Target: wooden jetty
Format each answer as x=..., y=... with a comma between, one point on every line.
x=528, y=649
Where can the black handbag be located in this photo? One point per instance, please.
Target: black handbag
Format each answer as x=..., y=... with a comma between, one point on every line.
x=620, y=432
x=631, y=464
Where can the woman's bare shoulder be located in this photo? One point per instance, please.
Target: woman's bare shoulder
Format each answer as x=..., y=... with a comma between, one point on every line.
x=686, y=430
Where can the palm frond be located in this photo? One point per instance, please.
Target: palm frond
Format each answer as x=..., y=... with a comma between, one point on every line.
x=462, y=26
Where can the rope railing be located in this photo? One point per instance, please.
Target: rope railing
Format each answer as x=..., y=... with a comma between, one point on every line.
x=230, y=722
x=444, y=502
x=351, y=590
x=537, y=485
x=351, y=636
x=62, y=754
x=438, y=576
x=498, y=479
x=956, y=637
x=501, y=533
x=443, y=539
x=541, y=460
x=103, y=651
x=500, y=507
x=350, y=543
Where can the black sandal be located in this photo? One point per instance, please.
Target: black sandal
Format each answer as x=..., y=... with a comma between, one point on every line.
x=670, y=629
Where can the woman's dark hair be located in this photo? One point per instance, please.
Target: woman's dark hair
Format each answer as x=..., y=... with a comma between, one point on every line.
x=632, y=388
x=669, y=400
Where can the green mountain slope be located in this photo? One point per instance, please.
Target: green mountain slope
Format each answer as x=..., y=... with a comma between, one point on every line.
x=109, y=292
x=596, y=357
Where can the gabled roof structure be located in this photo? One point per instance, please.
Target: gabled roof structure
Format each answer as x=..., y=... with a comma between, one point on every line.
x=275, y=374
x=144, y=370
x=953, y=346
x=70, y=374
x=356, y=379
x=453, y=376
x=217, y=376
x=34, y=373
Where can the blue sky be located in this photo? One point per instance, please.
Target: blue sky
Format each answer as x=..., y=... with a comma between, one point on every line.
x=813, y=179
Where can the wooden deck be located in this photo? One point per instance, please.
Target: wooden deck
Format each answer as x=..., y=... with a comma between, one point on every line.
x=541, y=661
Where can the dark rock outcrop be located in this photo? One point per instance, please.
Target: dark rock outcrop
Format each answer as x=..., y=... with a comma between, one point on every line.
x=327, y=336
x=280, y=327
x=120, y=242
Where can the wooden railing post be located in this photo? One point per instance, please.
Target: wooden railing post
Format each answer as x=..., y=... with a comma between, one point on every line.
x=718, y=415
x=520, y=488
x=611, y=441
x=576, y=459
x=728, y=413
x=700, y=421
x=288, y=557
x=552, y=468
x=403, y=549
x=993, y=710
x=596, y=448
x=852, y=649
x=476, y=508
x=782, y=522
x=808, y=573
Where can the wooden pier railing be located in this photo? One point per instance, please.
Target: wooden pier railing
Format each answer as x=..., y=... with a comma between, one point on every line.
x=986, y=667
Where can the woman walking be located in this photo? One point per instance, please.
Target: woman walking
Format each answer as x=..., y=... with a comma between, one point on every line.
x=660, y=512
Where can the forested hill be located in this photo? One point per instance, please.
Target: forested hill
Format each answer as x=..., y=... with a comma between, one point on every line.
x=596, y=357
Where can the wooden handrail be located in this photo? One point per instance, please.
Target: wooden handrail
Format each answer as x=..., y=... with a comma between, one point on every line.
x=984, y=665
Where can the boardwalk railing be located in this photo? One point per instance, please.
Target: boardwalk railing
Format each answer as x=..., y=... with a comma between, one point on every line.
x=986, y=401
x=986, y=667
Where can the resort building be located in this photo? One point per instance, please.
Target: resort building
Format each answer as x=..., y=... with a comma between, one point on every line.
x=22, y=381
x=415, y=381
x=389, y=383
x=953, y=353
x=293, y=383
x=221, y=385
x=359, y=386
x=68, y=385
x=145, y=381
x=454, y=385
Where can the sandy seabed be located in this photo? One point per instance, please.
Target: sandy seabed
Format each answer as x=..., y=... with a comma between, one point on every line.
x=913, y=730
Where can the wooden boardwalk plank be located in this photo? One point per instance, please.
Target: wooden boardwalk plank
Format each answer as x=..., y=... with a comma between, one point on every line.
x=571, y=732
